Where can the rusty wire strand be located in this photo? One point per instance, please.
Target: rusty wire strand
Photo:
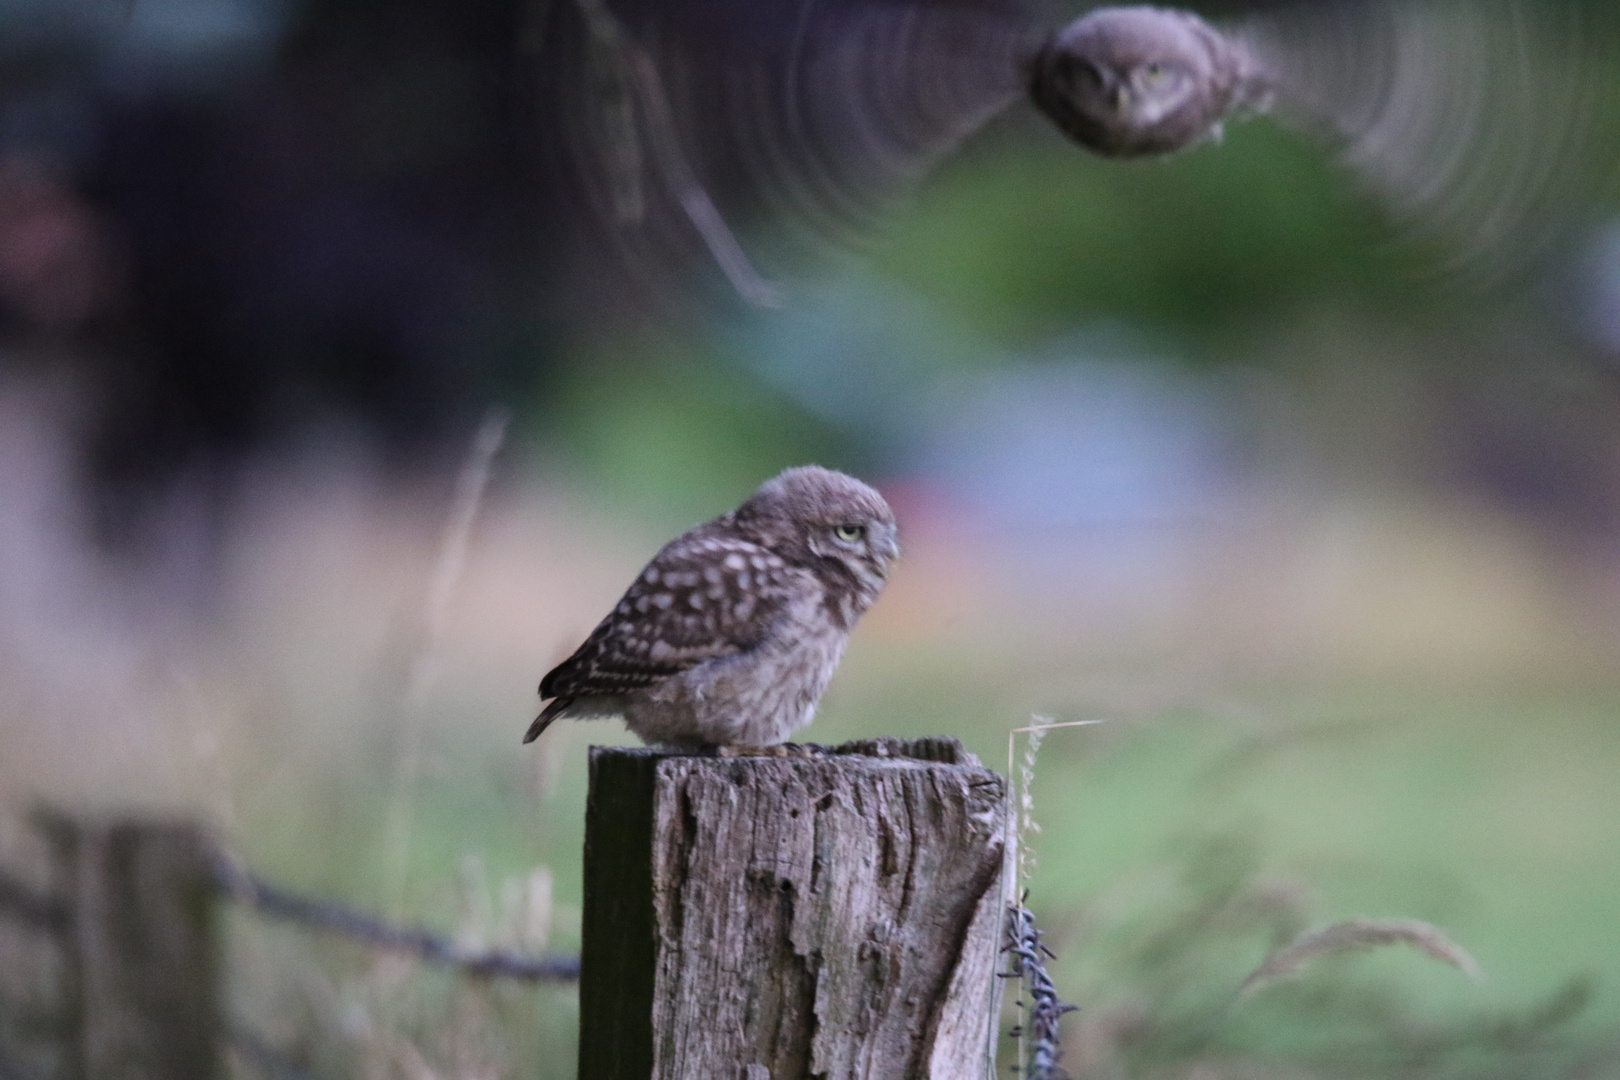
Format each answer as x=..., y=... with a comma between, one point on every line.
x=273, y=902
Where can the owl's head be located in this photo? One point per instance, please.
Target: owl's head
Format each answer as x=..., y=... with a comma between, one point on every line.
x=826, y=517
x=1128, y=81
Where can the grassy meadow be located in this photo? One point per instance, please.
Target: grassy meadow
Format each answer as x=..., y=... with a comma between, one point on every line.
x=1230, y=798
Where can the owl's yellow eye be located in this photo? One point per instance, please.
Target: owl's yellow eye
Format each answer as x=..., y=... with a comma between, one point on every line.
x=850, y=532
x=1154, y=74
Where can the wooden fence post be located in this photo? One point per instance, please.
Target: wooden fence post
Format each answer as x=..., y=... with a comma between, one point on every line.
x=141, y=957
x=836, y=914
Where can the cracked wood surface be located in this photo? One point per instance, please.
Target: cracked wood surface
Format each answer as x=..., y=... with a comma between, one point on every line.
x=835, y=913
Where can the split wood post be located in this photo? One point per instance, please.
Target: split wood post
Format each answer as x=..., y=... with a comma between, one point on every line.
x=836, y=913
x=143, y=972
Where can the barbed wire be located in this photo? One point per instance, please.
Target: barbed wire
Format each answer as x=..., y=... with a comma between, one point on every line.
x=1044, y=1011
x=273, y=902
x=30, y=905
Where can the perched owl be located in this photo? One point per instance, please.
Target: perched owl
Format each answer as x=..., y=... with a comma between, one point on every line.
x=731, y=633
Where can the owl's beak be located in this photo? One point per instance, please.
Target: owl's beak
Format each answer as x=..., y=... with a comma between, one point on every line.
x=890, y=551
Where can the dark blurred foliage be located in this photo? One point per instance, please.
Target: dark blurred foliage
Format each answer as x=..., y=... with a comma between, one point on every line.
x=233, y=251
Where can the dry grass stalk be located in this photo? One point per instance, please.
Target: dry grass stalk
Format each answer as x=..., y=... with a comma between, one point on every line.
x=466, y=501
x=1037, y=1029
x=1355, y=935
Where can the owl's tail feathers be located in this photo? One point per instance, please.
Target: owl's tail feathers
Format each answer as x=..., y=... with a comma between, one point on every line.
x=547, y=715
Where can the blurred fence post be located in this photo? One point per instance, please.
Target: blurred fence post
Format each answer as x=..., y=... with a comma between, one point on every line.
x=836, y=913
x=140, y=950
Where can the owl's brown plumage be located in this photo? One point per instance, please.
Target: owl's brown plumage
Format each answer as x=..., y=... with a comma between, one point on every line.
x=1129, y=81
x=731, y=634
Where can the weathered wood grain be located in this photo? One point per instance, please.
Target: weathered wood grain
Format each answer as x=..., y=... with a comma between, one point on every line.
x=835, y=914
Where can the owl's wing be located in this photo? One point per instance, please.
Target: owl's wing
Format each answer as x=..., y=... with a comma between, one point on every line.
x=702, y=597
x=1481, y=123
x=684, y=126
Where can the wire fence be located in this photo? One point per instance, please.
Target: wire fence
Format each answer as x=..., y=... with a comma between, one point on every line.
x=64, y=919
x=1038, y=1032
x=29, y=905
x=126, y=899
x=274, y=902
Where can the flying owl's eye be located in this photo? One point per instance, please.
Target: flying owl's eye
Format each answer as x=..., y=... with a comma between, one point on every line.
x=1155, y=75
x=1083, y=74
x=850, y=532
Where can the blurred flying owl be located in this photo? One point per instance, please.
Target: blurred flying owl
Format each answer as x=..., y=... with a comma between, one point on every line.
x=323, y=218
x=731, y=634
x=1128, y=81
x=1476, y=121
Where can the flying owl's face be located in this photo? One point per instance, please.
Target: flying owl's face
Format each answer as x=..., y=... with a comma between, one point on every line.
x=1140, y=93
x=1131, y=81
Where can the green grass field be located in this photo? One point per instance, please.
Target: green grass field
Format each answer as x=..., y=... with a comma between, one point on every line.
x=1175, y=848
x=1243, y=788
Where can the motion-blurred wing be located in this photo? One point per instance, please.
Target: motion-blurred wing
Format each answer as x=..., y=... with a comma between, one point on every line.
x=1481, y=122
x=686, y=127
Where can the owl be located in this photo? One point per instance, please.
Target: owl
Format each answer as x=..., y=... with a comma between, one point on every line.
x=731, y=634
x=1477, y=121
x=1131, y=81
